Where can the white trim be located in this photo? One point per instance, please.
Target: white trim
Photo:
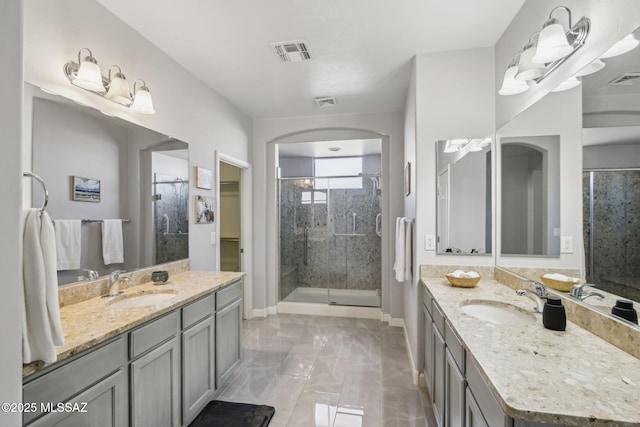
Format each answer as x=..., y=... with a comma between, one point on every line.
x=246, y=225
x=415, y=374
x=263, y=312
x=328, y=310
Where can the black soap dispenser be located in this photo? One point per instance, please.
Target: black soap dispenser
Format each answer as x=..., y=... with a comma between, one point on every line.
x=624, y=309
x=553, y=314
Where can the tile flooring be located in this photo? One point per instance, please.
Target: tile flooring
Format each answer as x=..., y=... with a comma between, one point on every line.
x=330, y=372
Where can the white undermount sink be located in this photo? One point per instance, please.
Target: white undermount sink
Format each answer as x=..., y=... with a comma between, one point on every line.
x=142, y=299
x=497, y=312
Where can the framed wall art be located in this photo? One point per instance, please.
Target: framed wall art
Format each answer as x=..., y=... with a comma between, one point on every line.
x=204, y=178
x=85, y=189
x=204, y=209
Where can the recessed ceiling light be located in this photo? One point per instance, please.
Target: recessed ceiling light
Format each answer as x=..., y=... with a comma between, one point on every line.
x=334, y=148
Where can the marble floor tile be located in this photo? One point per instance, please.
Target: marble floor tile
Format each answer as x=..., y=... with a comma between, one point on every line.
x=328, y=372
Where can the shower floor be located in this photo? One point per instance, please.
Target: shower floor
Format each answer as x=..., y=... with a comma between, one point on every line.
x=357, y=297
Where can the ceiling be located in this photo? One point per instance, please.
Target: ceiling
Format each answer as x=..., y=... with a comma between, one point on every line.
x=361, y=49
x=347, y=148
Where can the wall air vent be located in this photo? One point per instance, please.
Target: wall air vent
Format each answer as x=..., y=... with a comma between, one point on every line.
x=627, y=79
x=325, y=101
x=292, y=51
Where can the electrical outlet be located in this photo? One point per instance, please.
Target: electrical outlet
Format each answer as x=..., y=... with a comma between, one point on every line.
x=429, y=242
x=213, y=237
x=566, y=245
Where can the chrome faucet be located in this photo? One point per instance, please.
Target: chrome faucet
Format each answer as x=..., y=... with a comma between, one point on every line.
x=577, y=292
x=114, y=283
x=91, y=275
x=538, y=295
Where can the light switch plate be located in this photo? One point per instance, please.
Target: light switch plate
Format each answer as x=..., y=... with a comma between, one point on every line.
x=556, y=231
x=566, y=244
x=429, y=242
x=213, y=237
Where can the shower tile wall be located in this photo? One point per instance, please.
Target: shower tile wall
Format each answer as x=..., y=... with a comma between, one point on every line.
x=173, y=203
x=336, y=261
x=616, y=231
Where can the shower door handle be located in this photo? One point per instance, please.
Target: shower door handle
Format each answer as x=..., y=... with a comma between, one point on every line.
x=379, y=224
x=306, y=246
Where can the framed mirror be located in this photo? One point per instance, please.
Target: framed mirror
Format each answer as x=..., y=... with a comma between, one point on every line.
x=464, y=196
x=530, y=195
x=143, y=180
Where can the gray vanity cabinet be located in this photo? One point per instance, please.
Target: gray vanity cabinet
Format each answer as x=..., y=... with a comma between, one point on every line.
x=473, y=415
x=198, y=357
x=228, y=331
x=439, y=366
x=455, y=389
x=427, y=368
x=155, y=373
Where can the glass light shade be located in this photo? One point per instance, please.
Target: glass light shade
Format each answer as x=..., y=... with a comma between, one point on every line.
x=623, y=46
x=89, y=76
x=594, y=67
x=527, y=69
x=142, y=101
x=552, y=44
x=570, y=83
x=119, y=90
x=511, y=86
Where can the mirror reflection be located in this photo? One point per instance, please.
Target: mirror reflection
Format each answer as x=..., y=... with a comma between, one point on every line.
x=132, y=174
x=464, y=196
x=530, y=195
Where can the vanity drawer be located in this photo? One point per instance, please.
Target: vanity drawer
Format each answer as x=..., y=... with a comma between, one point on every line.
x=438, y=318
x=71, y=378
x=488, y=404
x=426, y=299
x=153, y=333
x=455, y=346
x=228, y=294
x=197, y=310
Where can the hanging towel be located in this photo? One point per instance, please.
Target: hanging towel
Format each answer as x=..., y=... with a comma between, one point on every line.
x=403, y=264
x=42, y=330
x=68, y=238
x=112, y=244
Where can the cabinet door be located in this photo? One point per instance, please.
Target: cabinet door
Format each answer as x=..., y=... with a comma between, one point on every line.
x=103, y=405
x=228, y=340
x=438, y=376
x=155, y=387
x=454, y=389
x=198, y=368
x=428, y=350
x=473, y=415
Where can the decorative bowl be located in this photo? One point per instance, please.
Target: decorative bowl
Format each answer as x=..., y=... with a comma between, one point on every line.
x=559, y=285
x=160, y=277
x=463, y=282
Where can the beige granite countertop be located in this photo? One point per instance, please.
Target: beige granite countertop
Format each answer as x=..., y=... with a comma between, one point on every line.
x=91, y=322
x=569, y=378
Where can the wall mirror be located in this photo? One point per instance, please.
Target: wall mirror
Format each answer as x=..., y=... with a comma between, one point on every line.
x=143, y=179
x=530, y=195
x=464, y=203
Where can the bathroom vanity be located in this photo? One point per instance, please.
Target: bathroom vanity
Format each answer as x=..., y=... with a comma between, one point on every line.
x=141, y=365
x=484, y=372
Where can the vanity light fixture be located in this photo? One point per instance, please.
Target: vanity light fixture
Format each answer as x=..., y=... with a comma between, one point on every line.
x=593, y=67
x=570, y=83
x=467, y=145
x=539, y=59
x=622, y=46
x=86, y=74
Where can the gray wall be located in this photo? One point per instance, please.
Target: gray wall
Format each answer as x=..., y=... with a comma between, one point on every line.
x=611, y=156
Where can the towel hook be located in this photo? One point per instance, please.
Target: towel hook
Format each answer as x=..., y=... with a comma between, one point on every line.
x=44, y=188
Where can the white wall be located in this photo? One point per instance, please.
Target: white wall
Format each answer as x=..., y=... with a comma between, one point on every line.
x=611, y=156
x=11, y=183
x=450, y=103
x=186, y=108
x=322, y=128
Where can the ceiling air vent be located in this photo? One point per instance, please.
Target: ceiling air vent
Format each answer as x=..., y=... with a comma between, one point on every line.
x=325, y=101
x=293, y=51
x=627, y=79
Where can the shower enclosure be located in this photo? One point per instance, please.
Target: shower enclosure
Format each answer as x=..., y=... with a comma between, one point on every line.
x=330, y=249
x=170, y=214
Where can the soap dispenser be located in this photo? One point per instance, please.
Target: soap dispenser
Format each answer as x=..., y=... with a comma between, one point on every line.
x=625, y=310
x=553, y=314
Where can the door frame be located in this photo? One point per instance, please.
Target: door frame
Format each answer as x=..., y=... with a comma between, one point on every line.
x=246, y=230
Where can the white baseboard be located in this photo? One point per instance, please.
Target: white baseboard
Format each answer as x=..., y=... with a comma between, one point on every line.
x=415, y=374
x=328, y=310
x=263, y=312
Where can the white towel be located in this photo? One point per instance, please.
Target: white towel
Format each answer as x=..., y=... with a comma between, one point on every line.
x=68, y=238
x=42, y=329
x=112, y=242
x=404, y=256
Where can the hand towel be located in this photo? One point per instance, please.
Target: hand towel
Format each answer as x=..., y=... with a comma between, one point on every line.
x=112, y=241
x=42, y=329
x=68, y=238
x=403, y=265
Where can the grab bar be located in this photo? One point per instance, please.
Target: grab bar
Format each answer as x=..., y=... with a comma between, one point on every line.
x=44, y=188
x=306, y=245
x=379, y=224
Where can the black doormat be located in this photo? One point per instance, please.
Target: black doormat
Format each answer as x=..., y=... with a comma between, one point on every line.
x=218, y=413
